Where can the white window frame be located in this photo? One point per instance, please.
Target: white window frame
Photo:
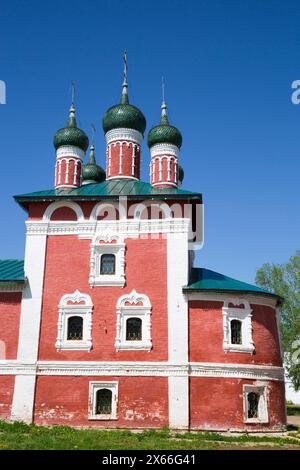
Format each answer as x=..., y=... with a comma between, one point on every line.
x=93, y=389
x=74, y=305
x=107, y=244
x=244, y=315
x=263, y=416
x=127, y=307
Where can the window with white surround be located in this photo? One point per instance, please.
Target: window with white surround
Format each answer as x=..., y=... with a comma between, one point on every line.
x=237, y=326
x=103, y=398
x=107, y=264
x=74, y=327
x=133, y=322
x=255, y=404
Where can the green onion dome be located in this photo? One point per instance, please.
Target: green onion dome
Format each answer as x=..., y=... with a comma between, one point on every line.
x=124, y=115
x=180, y=174
x=71, y=134
x=164, y=133
x=92, y=173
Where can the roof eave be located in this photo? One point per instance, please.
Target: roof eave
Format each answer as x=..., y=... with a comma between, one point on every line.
x=279, y=299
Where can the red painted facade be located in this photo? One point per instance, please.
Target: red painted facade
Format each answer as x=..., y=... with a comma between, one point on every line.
x=164, y=171
x=206, y=316
x=73, y=257
x=217, y=404
x=123, y=160
x=10, y=308
x=68, y=402
x=6, y=395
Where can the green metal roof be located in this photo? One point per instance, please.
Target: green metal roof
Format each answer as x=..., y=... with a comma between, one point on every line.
x=112, y=189
x=207, y=280
x=12, y=270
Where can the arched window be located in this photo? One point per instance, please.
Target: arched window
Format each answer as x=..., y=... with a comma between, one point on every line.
x=134, y=329
x=103, y=401
x=108, y=264
x=133, y=322
x=253, y=401
x=236, y=331
x=75, y=328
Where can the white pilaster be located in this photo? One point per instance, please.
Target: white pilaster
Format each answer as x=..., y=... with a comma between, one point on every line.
x=177, y=259
x=23, y=399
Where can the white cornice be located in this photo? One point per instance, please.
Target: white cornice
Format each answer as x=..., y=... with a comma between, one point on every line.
x=69, y=151
x=164, y=149
x=165, y=369
x=122, y=134
x=88, y=229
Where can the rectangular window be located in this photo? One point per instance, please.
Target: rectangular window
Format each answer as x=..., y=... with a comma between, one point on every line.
x=103, y=398
x=255, y=404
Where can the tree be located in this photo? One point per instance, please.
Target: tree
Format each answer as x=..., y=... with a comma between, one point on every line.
x=284, y=280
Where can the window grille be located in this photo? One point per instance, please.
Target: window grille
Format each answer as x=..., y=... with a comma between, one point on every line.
x=103, y=402
x=253, y=400
x=108, y=264
x=75, y=328
x=134, y=329
x=236, y=332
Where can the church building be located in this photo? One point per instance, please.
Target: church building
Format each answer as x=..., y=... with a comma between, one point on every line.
x=107, y=322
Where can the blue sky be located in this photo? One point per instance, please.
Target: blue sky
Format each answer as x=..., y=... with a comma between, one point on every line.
x=228, y=67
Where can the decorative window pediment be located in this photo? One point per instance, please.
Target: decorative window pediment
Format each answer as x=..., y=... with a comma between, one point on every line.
x=74, y=328
x=133, y=322
x=237, y=326
x=255, y=404
x=107, y=264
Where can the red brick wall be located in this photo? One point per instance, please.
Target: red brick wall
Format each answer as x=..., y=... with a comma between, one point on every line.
x=10, y=308
x=217, y=404
x=67, y=269
x=126, y=161
x=64, y=213
x=142, y=403
x=6, y=395
x=206, y=316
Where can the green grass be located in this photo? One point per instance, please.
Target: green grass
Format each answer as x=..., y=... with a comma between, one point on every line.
x=22, y=436
x=293, y=410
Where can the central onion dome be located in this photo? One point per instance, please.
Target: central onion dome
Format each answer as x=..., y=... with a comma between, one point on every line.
x=124, y=115
x=164, y=133
x=91, y=172
x=71, y=134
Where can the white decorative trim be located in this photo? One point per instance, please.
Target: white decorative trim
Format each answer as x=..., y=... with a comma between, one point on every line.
x=12, y=286
x=108, y=247
x=120, y=177
x=135, y=369
x=238, y=371
x=128, y=228
x=169, y=183
x=262, y=404
x=164, y=149
x=69, y=151
x=67, y=310
x=124, y=134
x=244, y=316
x=57, y=205
x=93, y=389
x=133, y=310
